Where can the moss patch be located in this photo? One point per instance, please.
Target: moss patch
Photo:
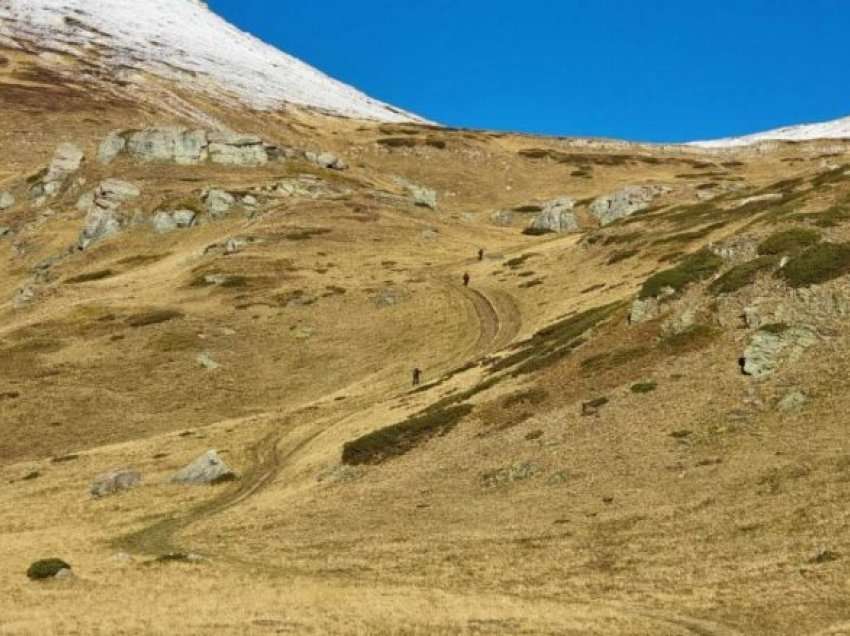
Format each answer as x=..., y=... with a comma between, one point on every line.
x=791, y=241
x=46, y=569
x=743, y=275
x=644, y=387
x=691, y=269
x=818, y=264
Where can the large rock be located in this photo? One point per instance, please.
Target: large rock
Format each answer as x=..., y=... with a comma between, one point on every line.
x=178, y=145
x=219, y=202
x=625, y=202
x=66, y=161
x=169, y=220
x=774, y=344
x=557, y=216
x=643, y=310
x=237, y=150
x=209, y=468
x=115, y=481
x=111, y=147
x=6, y=200
x=103, y=210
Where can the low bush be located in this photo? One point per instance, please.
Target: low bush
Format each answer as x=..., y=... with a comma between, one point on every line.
x=691, y=269
x=818, y=264
x=788, y=242
x=46, y=569
x=743, y=275
x=644, y=387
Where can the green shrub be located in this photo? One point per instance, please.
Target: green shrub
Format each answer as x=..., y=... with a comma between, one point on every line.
x=742, y=275
x=398, y=439
x=693, y=268
x=693, y=339
x=530, y=396
x=791, y=241
x=90, y=276
x=46, y=569
x=612, y=359
x=818, y=264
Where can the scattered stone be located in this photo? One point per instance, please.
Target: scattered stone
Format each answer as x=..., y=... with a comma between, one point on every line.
x=825, y=556
x=519, y=471
x=503, y=218
x=793, y=401
x=209, y=468
x=557, y=216
x=593, y=407
x=219, y=202
x=643, y=310
x=169, y=220
x=326, y=160
x=111, y=147
x=66, y=161
x=6, y=200
x=46, y=569
x=103, y=210
x=388, y=297
x=772, y=345
x=206, y=361
x=430, y=234
x=625, y=202
x=178, y=557
x=115, y=481
x=422, y=197
x=249, y=201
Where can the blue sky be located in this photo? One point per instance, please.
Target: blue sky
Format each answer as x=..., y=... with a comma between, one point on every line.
x=653, y=70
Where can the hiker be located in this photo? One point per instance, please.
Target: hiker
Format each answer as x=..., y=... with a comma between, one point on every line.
x=417, y=376
x=481, y=254
x=466, y=279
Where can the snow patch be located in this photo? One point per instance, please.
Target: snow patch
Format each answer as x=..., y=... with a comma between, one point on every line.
x=836, y=129
x=183, y=40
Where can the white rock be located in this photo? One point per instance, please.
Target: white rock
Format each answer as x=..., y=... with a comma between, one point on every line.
x=115, y=481
x=207, y=469
x=6, y=200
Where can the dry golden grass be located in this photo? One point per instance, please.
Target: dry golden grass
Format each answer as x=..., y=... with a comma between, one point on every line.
x=694, y=509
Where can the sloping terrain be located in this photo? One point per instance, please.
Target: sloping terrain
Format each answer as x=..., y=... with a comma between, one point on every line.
x=630, y=421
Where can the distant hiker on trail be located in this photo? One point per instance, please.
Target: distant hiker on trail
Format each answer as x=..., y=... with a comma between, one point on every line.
x=480, y=254
x=417, y=376
x=466, y=279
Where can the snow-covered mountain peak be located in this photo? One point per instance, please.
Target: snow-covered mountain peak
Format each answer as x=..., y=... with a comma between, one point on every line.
x=836, y=129
x=182, y=40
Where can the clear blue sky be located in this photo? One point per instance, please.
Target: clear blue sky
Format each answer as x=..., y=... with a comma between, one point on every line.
x=654, y=70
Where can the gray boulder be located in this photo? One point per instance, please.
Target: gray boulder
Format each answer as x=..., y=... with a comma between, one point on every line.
x=111, y=147
x=209, y=468
x=115, y=481
x=557, y=216
x=103, y=210
x=169, y=220
x=625, y=202
x=503, y=218
x=326, y=160
x=643, y=310
x=237, y=150
x=6, y=200
x=66, y=161
x=772, y=345
x=219, y=202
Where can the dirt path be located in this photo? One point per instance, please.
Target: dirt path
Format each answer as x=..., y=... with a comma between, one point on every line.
x=268, y=459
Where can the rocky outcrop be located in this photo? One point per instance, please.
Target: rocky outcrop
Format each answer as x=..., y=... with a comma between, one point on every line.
x=6, y=200
x=66, y=161
x=307, y=187
x=103, y=208
x=422, y=197
x=209, y=468
x=164, y=221
x=774, y=344
x=503, y=218
x=557, y=216
x=233, y=149
x=115, y=481
x=218, y=202
x=625, y=202
x=643, y=310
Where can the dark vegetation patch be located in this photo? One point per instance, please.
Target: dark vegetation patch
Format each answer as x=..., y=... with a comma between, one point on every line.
x=305, y=234
x=537, y=231
x=46, y=569
x=831, y=217
x=693, y=235
x=644, y=387
x=587, y=160
x=397, y=142
x=531, y=283
x=89, y=276
x=691, y=269
x=534, y=397
x=627, y=237
x=154, y=317
x=609, y=360
x=775, y=328
x=553, y=343
x=593, y=288
x=789, y=242
x=31, y=475
x=519, y=261
x=695, y=338
x=622, y=255
x=141, y=259
x=528, y=209
x=399, y=439
x=64, y=459
x=743, y=275
x=818, y=264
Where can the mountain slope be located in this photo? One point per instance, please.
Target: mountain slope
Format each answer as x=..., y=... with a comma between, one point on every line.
x=835, y=129
x=179, y=40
